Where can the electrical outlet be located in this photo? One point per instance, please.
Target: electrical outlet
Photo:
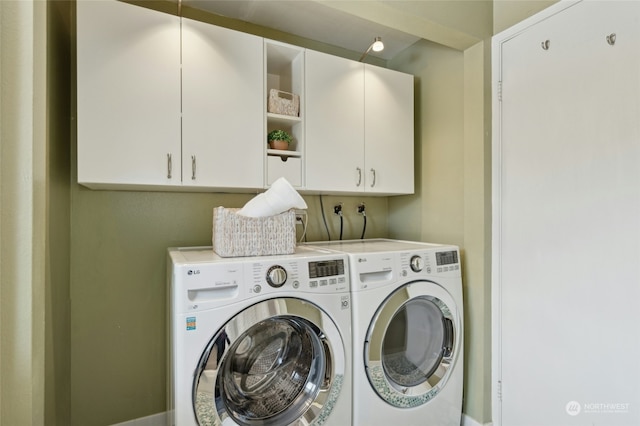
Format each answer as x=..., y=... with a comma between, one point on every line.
x=337, y=209
x=361, y=208
x=301, y=217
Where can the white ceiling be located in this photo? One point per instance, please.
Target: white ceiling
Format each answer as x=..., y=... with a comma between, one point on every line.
x=313, y=20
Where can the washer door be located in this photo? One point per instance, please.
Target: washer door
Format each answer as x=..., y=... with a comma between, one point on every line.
x=279, y=362
x=412, y=343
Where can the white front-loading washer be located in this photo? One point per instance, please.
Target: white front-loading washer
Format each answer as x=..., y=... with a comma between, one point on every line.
x=259, y=340
x=407, y=313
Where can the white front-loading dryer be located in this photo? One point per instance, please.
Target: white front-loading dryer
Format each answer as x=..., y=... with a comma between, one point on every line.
x=407, y=311
x=260, y=340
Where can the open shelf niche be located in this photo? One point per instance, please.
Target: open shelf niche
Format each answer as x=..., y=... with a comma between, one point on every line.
x=285, y=73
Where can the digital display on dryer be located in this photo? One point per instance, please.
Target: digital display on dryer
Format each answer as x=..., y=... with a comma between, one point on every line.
x=446, y=257
x=326, y=268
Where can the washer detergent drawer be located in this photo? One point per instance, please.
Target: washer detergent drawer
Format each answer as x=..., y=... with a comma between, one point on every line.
x=207, y=286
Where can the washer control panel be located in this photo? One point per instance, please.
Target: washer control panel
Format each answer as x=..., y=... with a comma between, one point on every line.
x=328, y=274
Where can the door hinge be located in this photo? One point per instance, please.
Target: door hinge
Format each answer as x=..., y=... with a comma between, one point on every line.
x=499, y=390
x=500, y=91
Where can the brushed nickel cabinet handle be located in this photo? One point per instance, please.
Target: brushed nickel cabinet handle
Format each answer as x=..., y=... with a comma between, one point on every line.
x=168, y=165
x=193, y=167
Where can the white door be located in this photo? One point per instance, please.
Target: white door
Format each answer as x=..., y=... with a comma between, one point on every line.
x=388, y=131
x=412, y=344
x=223, y=140
x=274, y=363
x=334, y=123
x=567, y=219
x=128, y=89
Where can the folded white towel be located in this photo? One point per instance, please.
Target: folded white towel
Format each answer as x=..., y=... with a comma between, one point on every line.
x=280, y=197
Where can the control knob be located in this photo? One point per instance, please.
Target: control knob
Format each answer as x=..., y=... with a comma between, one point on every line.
x=416, y=263
x=276, y=276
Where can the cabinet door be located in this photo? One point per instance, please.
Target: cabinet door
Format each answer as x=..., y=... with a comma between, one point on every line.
x=223, y=141
x=388, y=131
x=128, y=95
x=334, y=123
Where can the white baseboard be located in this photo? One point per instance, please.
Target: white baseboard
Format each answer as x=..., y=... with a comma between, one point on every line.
x=159, y=419
x=470, y=421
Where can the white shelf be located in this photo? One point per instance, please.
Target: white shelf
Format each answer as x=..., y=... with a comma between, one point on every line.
x=283, y=153
x=283, y=119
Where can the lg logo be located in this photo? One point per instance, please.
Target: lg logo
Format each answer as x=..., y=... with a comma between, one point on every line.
x=193, y=272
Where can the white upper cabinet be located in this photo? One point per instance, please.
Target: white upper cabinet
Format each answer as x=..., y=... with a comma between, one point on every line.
x=359, y=121
x=171, y=103
x=334, y=123
x=223, y=142
x=128, y=95
x=388, y=131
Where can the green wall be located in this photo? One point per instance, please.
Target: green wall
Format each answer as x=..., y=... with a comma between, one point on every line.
x=58, y=306
x=452, y=192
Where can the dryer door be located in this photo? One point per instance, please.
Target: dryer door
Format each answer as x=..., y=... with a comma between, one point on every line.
x=279, y=362
x=412, y=344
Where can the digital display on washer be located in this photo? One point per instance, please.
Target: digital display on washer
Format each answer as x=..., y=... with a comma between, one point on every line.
x=326, y=268
x=446, y=257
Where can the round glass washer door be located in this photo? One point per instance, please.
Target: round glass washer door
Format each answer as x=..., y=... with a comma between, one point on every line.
x=274, y=363
x=412, y=344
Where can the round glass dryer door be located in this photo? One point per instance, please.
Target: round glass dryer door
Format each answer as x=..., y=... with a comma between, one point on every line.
x=412, y=344
x=274, y=363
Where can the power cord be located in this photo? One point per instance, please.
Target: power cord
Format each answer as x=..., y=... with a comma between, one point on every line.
x=301, y=215
x=324, y=219
x=361, y=211
x=303, y=237
x=337, y=209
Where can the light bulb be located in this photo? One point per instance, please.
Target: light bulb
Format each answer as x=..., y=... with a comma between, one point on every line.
x=378, y=45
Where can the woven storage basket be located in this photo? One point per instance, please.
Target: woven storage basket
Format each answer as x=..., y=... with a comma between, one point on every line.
x=284, y=103
x=235, y=235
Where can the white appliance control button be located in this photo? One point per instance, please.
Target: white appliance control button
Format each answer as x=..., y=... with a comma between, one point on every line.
x=416, y=263
x=296, y=284
x=257, y=288
x=276, y=276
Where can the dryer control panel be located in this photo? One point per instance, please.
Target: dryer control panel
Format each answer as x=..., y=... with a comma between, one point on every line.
x=430, y=262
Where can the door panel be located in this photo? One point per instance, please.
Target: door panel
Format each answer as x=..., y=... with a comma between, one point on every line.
x=269, y=365
x=223, y=140
x=334, y=123
x=568, y=217
x=412, y=344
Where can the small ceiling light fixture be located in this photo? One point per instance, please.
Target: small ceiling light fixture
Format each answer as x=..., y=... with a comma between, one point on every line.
x=376, y=46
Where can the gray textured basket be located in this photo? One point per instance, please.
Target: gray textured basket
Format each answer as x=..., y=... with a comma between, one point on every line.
x=284, y=103
x=235, y=235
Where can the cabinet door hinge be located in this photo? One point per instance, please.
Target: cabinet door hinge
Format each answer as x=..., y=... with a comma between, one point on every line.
x=500, y=91
x=499, y=390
